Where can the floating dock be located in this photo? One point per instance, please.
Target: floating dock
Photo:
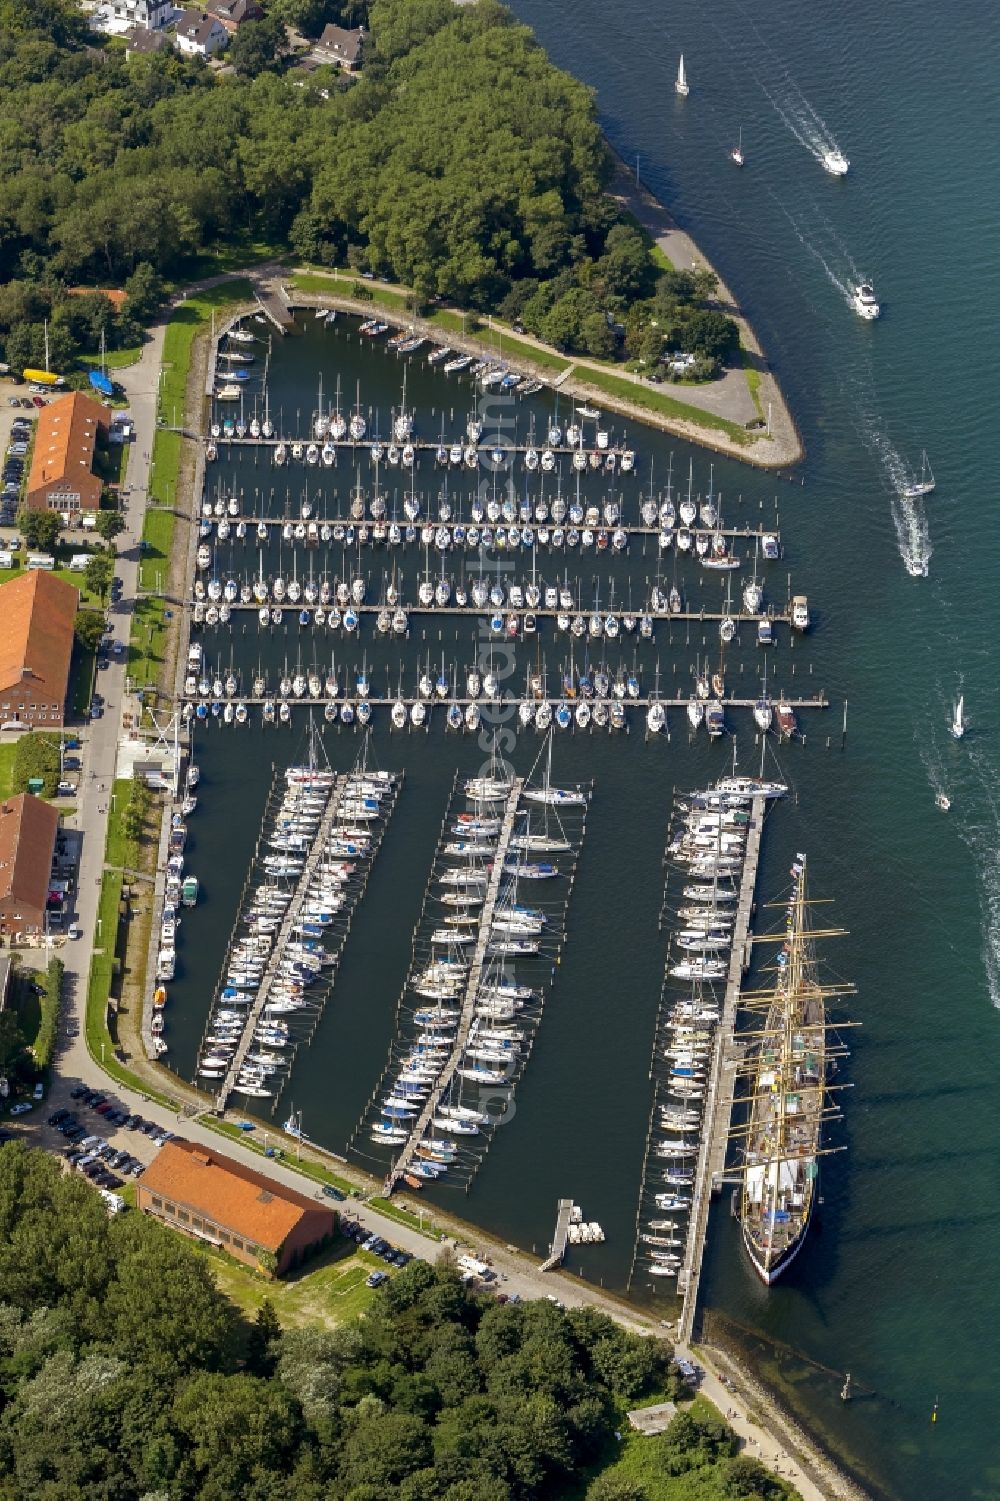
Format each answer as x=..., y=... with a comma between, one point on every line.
x=719, y=1098
x=291, y=917
x=557, y=1250
x=471, y=993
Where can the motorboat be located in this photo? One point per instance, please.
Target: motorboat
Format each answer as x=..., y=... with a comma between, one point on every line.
x=864, y=302
x=835, y=162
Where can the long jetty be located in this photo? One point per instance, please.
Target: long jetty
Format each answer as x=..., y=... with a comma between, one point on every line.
x=812, y=701
x=557, y=1250
x=442, y=1084
x=719, y=1100
x=291, y=917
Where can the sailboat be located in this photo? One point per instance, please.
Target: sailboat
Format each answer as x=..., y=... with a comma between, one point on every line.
x=925, y=484
x=736, y=152
x=958, y=719
x=681, y=85
x=787, y=1073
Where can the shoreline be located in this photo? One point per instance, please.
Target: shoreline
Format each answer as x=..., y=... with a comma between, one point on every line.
x=784, y=446
x=765, y=1409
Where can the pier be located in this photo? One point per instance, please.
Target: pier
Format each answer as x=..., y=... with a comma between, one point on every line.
x=557, y=1250
x=443, y=1081
x=739, y=617
x=427, y=523
x=719, y=1099
x=291, y=917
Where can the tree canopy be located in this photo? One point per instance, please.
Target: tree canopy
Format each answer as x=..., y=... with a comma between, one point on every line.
x=461, y=162
x=114, y=1336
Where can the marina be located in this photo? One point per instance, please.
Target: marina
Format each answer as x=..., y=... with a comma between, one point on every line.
x=312, y=869
x=715, y=848
x=467, y=1017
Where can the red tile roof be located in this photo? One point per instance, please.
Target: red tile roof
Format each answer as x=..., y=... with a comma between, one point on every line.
x=65, y=439
x=232, y=1195
x=37, y=614
x=27, y=838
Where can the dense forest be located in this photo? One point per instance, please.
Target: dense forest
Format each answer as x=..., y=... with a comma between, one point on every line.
x=125, y=1373
x=461, y=163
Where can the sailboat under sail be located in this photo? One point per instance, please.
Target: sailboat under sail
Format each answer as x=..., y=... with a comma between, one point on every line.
x=681, y=85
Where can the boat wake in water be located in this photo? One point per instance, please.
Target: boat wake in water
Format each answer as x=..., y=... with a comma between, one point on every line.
x=787, y=100
x=981, y=836
x=909, y=514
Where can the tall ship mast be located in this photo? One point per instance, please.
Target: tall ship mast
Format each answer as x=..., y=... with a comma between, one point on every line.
x=787, y=1070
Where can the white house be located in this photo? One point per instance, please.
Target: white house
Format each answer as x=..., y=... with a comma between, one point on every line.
x=150, y=15
x=199, y=35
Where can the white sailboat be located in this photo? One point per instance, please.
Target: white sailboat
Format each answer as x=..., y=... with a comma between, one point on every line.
x=736, y=152
x=681, y=85
x=925, y=484
x=958, y=719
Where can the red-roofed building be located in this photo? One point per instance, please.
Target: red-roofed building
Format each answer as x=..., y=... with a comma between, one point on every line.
x=221, y=1201
x=28, y=829
x=62, y=474
x=37, y=619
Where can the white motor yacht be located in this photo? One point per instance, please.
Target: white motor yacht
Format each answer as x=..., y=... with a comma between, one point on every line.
x=864, y=301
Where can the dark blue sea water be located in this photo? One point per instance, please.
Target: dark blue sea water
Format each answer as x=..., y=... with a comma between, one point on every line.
x=900, y=1284
x=898, y=1281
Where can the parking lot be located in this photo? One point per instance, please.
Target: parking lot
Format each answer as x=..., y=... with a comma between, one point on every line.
x=15, y=433
x=377, y=1246
x=100, y=1138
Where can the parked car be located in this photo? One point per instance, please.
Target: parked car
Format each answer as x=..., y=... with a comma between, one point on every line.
x=57, y=1116
x=22, y=1107
x=376, y=1279
x=38, y=401
x=333, y=1193
x=38, y=1093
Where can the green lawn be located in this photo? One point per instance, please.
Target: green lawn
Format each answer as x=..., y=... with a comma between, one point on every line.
x=114, y=359
x=668, y=406
x=753, y=383
x=327, y=1291
x=392, y=1211
x=157, y=545
x=446, y=319
x=68, y=576
x=344, y=283
x=147, y=645
x=82, y=677
x=119, y=851
x=7, y=770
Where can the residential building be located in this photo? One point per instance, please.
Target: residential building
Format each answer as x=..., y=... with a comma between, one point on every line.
x=342, y=47
x=37, y=616
x=150, y=15
x=219, y=1200
x=233, y=13
x=200, y=35
x=62, y=474
x=146, y=42
x=28, y=828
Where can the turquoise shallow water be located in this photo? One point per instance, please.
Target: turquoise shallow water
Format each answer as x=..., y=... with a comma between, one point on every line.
x=898, y=1280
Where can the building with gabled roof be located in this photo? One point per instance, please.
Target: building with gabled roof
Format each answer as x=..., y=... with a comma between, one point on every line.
x=37, y=619
x=230, y=1205
x=62, y=474
x=28, y=828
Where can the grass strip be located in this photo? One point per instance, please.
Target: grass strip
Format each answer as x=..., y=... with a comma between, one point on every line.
x=665, y=406
x=306, y=1166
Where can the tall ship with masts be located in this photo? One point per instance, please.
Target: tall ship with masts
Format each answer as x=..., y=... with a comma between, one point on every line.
x=787, y=1067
